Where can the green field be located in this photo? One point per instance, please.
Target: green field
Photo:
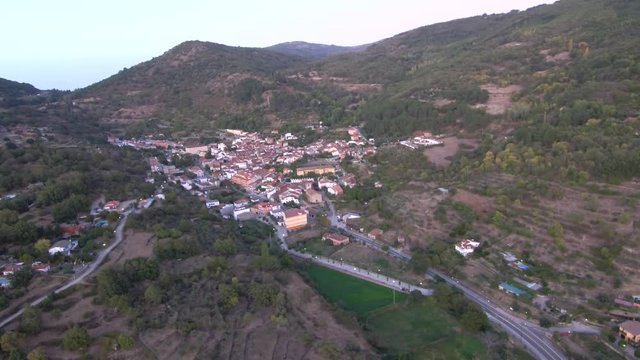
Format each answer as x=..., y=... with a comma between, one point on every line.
x=409, y=329
x=422, y=331
x=349, y=292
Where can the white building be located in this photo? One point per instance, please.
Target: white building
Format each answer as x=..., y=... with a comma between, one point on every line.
x=466, y=247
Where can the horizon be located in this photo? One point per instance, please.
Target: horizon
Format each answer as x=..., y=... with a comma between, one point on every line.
x=76, y=44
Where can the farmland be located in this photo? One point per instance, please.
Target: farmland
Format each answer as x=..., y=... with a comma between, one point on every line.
x=351, y=293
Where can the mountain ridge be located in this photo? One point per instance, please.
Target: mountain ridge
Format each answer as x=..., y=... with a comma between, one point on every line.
x=463, y=63
x=313, y=50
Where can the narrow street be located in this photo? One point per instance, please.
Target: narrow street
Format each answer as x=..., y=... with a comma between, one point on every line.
x=88, y=270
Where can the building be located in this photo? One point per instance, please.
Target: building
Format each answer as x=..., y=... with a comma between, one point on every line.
x=313, y=196
x=336, y=239
x=375, y=234
x=335, y=190
x=510, y=289
x=315, y=169
x=199, y=150
x=212, y=203
x=466, y=247
x=197, y=171
x=349, y=181
x=241, y=213
x=262, y=208
x=41, y=267
x=246, y=179
x=70, y=230
x=154, y=164
x=63, y=246
x=295, y=219
x=111, y=205
x=10, y=269
x=630, y=331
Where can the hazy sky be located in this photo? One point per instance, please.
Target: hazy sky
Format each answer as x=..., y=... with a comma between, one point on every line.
x=68, y=44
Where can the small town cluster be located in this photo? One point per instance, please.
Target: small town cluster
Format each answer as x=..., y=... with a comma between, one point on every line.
x=275, y=175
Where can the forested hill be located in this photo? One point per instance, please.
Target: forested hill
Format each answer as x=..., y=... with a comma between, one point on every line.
x=13, y=89
x=314, y=51
x=562, y=63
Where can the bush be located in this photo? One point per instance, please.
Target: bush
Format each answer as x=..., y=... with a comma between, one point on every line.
x=76, y=339
x=125, y=342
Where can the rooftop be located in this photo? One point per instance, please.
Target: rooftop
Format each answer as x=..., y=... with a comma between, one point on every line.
x=631, y=326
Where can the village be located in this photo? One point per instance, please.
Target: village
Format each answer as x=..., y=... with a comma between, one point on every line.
x=280, y=180
x=277, y=182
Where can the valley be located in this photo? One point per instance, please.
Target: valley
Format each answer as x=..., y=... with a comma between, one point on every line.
x=246, y=203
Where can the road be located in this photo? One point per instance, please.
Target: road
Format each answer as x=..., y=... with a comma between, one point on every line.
x=530, y=335
x=119, y=235
x=364, y=274
x=345, y=267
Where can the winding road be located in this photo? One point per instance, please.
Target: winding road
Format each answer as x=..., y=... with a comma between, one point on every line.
x=102, y=255
x=533, y=337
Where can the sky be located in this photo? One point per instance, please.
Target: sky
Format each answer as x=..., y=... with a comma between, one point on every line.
x=70, y=44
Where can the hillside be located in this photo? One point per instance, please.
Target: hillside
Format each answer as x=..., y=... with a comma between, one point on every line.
x=539, y=163
x=313, y=51
x=462, y=74
x=198, y=86
x=14, y=89
x=547, y=58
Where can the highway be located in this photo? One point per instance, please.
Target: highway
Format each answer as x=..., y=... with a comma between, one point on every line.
x=102, y=255
x=529, y=334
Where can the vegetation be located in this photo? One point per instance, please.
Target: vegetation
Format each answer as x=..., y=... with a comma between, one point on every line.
x=76, y=339
x=351, y=293
x=412, y=329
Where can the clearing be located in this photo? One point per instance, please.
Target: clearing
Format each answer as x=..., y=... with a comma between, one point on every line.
x=443, y=155
x=499, y=98
x=351, y=293
x=422, y=329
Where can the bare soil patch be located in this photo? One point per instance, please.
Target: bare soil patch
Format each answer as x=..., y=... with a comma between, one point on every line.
x=443, y=155
x=499, y=98
x=482, y=205
x=135, y=244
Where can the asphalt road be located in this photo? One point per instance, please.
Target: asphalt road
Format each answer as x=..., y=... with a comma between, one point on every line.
x=531, y=335
x=345, y=267
x=119, y=235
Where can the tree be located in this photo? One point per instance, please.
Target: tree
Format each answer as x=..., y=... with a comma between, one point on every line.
x=112, y=216
x=546, y=322
x=42, y=247
x=557, y=232
x=153, y=295
x=11, y=341
x=37, y=354
x=21, y=278
x=76, y=339
x=30, y=321
x=474, y=319
x=225, y=247
x=125, y=341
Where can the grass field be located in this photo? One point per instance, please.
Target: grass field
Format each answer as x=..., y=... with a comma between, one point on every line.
x=422, y=331
x=412, y=330
x=351, y=293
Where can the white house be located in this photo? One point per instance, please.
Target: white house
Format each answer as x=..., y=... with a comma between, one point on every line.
x=239, y=211
x=63, y=246
x=212, y=203
x=466, y=247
